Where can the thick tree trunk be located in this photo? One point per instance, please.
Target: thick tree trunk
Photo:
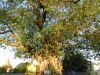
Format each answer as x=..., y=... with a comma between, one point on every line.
x=52, y=64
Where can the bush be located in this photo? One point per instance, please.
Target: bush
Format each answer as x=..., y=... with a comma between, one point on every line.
x=20, y=68
x=2, y=70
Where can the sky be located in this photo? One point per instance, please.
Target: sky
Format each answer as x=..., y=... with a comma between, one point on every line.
x=8, y=53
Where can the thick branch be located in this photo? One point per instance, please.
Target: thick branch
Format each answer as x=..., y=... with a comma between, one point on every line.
x=74, y=1
x=16, y=45
x=41, y=16
x=13, y=44
x=5, y=31
x=0, y=39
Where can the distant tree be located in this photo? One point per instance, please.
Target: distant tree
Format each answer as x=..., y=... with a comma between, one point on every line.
x=3, y=70
x=20, y=68
x=75, y=60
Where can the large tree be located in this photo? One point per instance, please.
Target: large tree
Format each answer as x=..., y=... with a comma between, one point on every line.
x=34, y=26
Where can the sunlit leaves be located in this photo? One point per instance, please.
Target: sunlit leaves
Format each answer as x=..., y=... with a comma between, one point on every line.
x=64, y=23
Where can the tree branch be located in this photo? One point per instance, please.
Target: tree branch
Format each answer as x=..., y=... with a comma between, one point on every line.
x=17, y=44
x=5, y=31
x=72, y=18
x=41, y=16
x=74, y=1
x=0, y=39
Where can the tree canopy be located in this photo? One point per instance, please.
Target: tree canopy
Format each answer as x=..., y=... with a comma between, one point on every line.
x=34, y=26
x=75, y=60
x=3, y=70
x=20, y=68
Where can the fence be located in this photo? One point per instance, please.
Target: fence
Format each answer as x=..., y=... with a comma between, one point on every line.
x=77, y=73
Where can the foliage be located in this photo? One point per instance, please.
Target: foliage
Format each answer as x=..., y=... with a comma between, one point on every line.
x=34, y=26
x=76, y=61
x=2, y=70
x=20, y=68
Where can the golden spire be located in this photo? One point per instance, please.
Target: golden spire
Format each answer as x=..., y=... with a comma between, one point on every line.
x=8, y=64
